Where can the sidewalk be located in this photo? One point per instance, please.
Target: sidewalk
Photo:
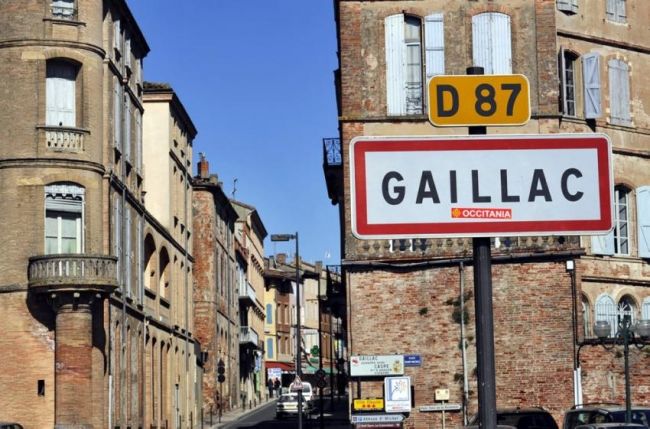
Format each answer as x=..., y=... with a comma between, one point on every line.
x=335, y=416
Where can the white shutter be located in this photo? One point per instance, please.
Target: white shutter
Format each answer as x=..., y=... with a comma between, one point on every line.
x=643, y=220
x=610, y=11
x=60, y=94
x=140, y=258
x=117, y=115
x=491, y=42
x=591, y=77
x=138, y=140
x=395, y=68
x=127, y=128
x=645, y=309
x=434, y=36
x=574, y=6
x=619, y=92
x=564, y=5
x=620, y=13
x=128, y=255
x=602, y=244
x=117, y=234
x=117, y=35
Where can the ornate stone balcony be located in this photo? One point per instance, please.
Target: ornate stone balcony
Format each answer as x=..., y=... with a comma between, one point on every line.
x=64, y=139
x=72, y=272
x=248, y=336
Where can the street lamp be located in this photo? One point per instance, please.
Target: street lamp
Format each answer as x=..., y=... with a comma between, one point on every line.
x=288, y=237
x=627, y=334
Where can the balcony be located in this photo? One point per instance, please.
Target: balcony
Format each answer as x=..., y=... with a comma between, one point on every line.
x=333, y=168
x=248, y=336
x=64, y=139
x=73, y=273
x=247, y=294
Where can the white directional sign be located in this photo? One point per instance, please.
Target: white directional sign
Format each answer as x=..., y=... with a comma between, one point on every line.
x=376, y=418
x=480, y=186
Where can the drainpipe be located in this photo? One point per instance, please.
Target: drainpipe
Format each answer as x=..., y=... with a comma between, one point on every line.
x=577, y=371
x=110, y=321
x=461, y=268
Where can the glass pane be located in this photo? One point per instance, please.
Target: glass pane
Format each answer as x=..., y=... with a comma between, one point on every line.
x=69, y=225
x=51, y=245
x=68, y=245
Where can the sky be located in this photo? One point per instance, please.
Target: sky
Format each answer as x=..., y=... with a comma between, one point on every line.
x=257, y=79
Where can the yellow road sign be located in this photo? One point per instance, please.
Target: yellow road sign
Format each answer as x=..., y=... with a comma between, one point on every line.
x=368, y=404
x=477, y=100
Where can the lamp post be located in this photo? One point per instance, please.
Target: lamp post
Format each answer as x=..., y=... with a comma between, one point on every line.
x=288, y=237
x=627, y=334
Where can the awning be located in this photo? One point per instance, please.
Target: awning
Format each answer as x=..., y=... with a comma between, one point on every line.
x=310, y=369
x=284, y=366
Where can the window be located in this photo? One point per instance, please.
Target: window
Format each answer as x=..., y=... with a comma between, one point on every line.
x=64, y=205
x=62, y=8
x=645, y=309
x=619, y=92
x=568, y=61
x=269, y=313
x=586, y=317
x=491, y=44
x=627, y=309
x=621, y=231
x=269, y=348
x=606, y=310
x=618, y=240
x=405, y=71
x=567, y=6
x=643, y=220
x=60, y=93
x=615, y=11
x=118, y=105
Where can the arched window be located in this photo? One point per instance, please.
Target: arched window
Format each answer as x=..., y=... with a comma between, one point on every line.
x=60, y=93
x=627, y=309
x=606, y=310
x=64, y=209
x=164, y=269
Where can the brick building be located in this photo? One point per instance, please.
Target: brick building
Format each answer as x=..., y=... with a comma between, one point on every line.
x=88, y=339
x=584, y=61
x=216, y=301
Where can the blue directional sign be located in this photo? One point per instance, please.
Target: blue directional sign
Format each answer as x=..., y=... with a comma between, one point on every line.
x=412, y=360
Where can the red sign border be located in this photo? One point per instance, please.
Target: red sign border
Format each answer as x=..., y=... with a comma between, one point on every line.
x=359, y=146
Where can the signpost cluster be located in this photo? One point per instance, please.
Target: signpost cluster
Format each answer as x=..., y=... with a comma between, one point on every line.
x=477, y=186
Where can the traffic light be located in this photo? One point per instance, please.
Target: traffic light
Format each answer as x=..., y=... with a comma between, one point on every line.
x=221, y=371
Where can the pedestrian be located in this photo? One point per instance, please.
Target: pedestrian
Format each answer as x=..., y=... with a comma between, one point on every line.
x=269, y=385
x=276, y=386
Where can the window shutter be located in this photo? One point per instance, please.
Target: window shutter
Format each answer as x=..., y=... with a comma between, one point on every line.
x=138, y=140
x=562, y=62
x=619, y=94
x=434, y=36
x=60, y=94
x=117, y=115
x=127, y=128
x=645, y=309
x=574, y=6
x=117, y=234
x=139, y=258
x=621, y=14
x=610, y=12
x=117, y=35
x=128, y=255
x=491, y=42
x=395, y=70
x=591, y=77
x=564, y=5
x=643, y=220
x=603, y=244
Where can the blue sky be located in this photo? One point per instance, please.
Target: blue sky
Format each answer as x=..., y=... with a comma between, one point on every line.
x=257, y=80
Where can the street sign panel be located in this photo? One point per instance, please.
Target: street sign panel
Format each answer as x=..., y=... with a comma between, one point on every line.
x=376, y=418
x=440, y=407
x=376, y=365
x=480, y=186
x=467, y=100
x=412, y=360
x=397, y=393
x=368, y=404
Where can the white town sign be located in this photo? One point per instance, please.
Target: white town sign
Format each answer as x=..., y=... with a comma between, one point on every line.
x=480, y=186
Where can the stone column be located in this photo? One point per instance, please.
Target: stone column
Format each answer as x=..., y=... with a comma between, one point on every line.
x=73, y=360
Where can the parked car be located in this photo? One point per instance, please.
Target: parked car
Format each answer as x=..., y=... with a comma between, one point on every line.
x=5, y=425
x=523, y=418
x=287, y=405
x=612, y=426
x=603, y=413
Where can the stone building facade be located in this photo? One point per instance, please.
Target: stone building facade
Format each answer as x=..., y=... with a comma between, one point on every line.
x=583, y=62
x=85, y=345
x=249, y=246
x=216, y=302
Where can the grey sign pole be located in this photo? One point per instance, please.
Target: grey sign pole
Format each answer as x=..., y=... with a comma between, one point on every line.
x=487, y=407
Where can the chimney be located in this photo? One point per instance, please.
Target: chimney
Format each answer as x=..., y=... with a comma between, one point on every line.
x=203, y=166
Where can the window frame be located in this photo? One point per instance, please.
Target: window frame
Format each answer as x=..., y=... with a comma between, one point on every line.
x=63, y=9
x=621, y=226
x=616, y=11
x=63, y=198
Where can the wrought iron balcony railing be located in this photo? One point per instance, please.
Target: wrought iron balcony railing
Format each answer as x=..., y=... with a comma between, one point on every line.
x=72, y=272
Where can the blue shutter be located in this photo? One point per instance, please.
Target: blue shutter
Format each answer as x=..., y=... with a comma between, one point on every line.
x=591, y=77
x=602, y=244
x=395, y=68
x=610, y=12
x=643, y=220
x=60, y=94
x=434, y=41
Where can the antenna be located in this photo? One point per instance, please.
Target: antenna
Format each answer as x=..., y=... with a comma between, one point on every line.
x=234, y=188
